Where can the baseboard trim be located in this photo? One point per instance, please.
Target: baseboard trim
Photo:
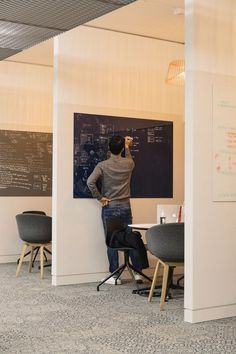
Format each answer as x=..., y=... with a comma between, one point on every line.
x=209, y=314
x=9, y=258
x=58, y=280
x=82, y=278
x=12, y=258
x=94, y=277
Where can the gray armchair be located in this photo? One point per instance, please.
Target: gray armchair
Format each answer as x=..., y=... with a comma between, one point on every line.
x=166, y=242
x=36, y=231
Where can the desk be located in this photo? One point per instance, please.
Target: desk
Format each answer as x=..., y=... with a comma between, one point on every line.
x=141, y=226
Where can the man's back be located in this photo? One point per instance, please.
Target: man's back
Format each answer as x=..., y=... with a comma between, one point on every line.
x=116, y=177
x=114, y=174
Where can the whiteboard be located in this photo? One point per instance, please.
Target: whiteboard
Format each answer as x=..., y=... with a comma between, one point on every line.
x=224, y=143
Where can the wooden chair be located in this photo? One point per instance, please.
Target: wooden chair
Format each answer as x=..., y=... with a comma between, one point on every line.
x=36, y=231
x=36, y=249
x=166, y=242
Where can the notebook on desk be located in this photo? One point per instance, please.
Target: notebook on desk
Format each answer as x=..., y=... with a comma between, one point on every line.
x=171, y=213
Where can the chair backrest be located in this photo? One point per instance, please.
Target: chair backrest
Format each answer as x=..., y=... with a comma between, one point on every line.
x=34, y=228
x=166, y=241
x=111, y=225
x=40, y=212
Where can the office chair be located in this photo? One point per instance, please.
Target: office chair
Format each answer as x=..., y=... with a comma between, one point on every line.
x=115, y=224
x=166, y=243
x=36, y=231
x=39, y=212
x=36, y=250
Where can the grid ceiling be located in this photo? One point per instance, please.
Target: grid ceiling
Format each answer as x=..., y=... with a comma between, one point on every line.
x=24, y=23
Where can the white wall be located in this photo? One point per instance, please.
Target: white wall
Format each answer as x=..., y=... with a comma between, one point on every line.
x=99, y=71
x=210, y=288
x=25, y=104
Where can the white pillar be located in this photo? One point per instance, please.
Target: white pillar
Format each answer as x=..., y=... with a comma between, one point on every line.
x=210, y=245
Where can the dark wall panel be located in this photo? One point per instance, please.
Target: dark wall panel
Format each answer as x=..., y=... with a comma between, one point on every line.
x=152, y=151
x=25, y=163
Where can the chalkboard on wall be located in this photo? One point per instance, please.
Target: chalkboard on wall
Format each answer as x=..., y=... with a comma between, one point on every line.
x=152, y=151
x=25, y=163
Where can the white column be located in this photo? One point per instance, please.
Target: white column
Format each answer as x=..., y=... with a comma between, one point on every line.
x=210, y=244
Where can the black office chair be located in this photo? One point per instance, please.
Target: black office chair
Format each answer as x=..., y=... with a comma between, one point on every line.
x=115, y=224
x=166, y=242
x=36, y=250
x=36, y=231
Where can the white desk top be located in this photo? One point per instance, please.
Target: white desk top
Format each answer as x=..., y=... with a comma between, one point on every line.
x=141, y=226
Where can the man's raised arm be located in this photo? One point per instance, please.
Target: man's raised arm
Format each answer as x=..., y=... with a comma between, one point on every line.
x=128, y=143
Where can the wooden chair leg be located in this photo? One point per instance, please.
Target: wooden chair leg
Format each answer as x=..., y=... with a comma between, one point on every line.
x=31, y=258
x=24, y=248
x=154, y=280
x=41, y=261
x=164, y=286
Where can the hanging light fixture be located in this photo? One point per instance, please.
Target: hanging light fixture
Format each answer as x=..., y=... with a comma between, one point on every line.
x=176, y=72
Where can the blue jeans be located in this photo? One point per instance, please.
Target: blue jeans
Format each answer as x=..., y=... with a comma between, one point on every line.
x=122, y=210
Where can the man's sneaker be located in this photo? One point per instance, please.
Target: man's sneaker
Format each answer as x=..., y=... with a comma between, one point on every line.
x=113, y=281
x=138, y=278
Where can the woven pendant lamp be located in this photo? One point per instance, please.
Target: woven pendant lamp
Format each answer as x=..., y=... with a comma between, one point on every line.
x=176, y=73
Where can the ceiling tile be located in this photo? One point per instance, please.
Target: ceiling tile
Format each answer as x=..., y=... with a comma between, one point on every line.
x=24, y=23
x=57, y=14
x=17, y=36
x=5, y=53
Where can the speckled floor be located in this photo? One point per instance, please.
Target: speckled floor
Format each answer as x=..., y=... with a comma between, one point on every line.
x=39, y=318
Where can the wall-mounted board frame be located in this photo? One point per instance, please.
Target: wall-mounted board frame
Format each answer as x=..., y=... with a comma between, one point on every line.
x=152, y=151
x=25, y=163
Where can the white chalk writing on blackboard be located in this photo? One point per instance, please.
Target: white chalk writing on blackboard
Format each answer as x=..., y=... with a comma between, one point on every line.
x=25, y=163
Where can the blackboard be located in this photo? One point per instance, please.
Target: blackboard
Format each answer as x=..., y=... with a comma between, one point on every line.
x=152, y=151
x=25, y=163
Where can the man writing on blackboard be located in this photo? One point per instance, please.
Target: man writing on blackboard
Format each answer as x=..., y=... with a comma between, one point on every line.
x=115, y=175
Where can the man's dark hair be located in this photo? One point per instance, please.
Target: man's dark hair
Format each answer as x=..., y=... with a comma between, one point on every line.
x=116, y=144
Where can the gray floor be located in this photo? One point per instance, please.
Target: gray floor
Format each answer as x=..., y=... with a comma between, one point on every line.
x=39, y=318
